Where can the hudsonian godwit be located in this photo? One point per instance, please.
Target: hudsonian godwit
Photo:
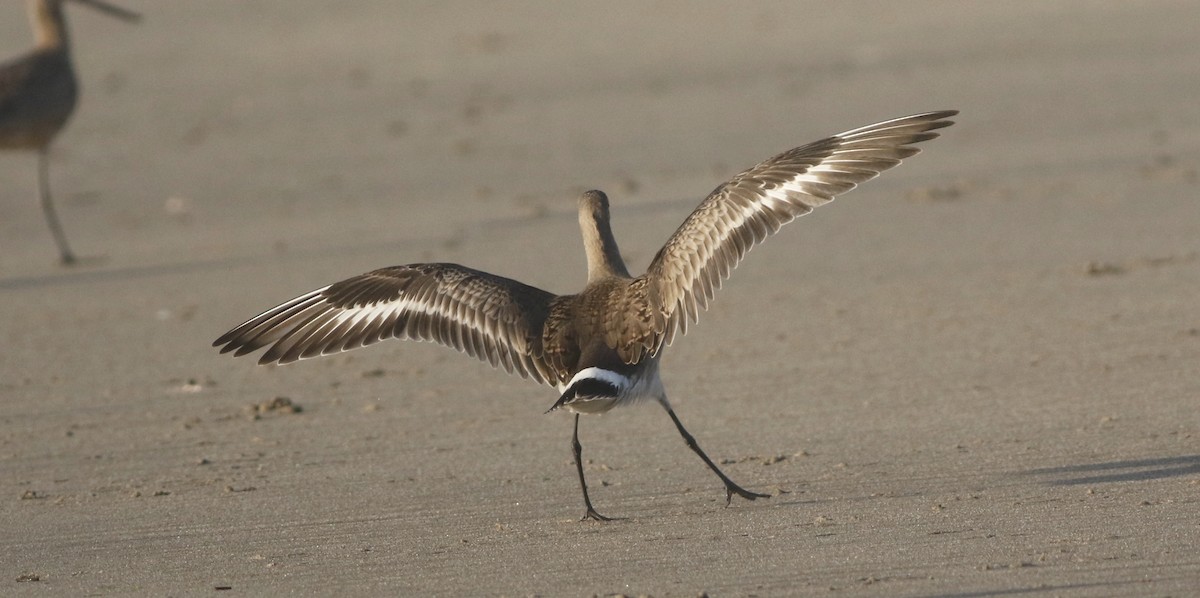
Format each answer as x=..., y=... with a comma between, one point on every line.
x=600, y=347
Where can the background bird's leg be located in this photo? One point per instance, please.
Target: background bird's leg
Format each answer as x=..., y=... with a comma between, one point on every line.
x=577, y=450
x=731, y=487
x=48, y=207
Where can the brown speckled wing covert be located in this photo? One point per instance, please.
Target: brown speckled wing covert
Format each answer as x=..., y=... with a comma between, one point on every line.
x=490, y=317
x=743, y=212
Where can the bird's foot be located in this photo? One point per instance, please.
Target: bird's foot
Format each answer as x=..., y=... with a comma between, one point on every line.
x=732, y=488
x=593, y=515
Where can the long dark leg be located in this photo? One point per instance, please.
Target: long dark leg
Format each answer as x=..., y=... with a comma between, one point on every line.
x=48, y=207
x=730, y=487
x=577, y=449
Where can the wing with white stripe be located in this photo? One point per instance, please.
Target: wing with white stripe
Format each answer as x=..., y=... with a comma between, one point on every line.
x=753, y=205
x=493, y=318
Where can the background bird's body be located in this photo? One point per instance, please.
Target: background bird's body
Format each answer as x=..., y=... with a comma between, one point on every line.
x=38, y=93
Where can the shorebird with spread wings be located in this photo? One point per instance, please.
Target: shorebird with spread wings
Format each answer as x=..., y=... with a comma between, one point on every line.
x=601, y=346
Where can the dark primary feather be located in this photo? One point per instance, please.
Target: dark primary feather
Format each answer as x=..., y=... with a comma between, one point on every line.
x=743, y=212
x=490, y=317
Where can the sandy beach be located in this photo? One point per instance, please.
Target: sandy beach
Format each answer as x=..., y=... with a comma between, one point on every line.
x=977, y=375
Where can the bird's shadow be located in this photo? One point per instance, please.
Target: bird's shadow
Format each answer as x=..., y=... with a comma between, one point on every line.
x=79, y=272
x=94, y=269
x=82, y=262
x=99, y=269
x=1037, y=589
x=1119, y=471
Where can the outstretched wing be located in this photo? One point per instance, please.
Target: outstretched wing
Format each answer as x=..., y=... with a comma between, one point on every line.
x=490, y=317
x=752, y=206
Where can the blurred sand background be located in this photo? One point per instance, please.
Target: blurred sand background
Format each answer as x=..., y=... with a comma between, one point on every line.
x=974, y=376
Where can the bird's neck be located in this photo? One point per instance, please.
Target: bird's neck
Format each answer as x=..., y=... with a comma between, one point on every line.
x=603, y=257
x=49, y=25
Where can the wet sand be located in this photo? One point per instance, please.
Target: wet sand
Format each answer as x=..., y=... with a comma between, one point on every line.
x=974, y=376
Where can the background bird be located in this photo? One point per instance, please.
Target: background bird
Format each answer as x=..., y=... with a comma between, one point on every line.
x=38, y=93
